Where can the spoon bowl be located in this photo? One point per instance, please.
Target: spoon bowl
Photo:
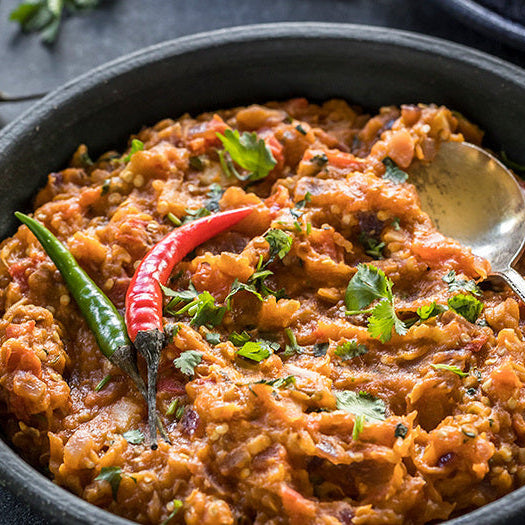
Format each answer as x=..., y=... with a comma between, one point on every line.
x=472, y=197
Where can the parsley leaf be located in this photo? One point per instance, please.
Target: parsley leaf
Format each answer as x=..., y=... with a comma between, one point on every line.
x=466, y=305
x=136, y=145
x=458, y=285
x=113, y=475
x=187, y=361
x=450, y=368
x=280, y=243
x=361, y=404
x=393, y=172
x=367, y=284
x=134, y=437
x=249, y=152
x=177, y=505
x=350, y=349
x=46, y=15
x=257, y=350
x=281, y=382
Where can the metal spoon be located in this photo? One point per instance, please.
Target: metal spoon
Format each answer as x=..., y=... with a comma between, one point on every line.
x=473, y=198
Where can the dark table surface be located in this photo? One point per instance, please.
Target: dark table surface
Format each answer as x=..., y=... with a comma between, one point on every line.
x=122, y=26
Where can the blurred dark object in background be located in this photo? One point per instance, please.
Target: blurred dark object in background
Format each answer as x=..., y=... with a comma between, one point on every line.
x=513, y=9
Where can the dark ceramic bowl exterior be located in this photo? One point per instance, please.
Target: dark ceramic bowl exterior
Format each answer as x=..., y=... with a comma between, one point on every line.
x=490, y=23
x=368, y=66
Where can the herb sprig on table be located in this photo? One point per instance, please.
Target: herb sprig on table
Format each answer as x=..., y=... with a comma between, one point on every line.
x=45, y=16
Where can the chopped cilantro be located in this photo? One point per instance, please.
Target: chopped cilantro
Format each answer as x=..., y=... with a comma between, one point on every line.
x=173, y=407
x=113, y=475
x=136, y=145
x=458, y=285
x=372, y=246
x=361, y=404
x=237, y=286
x=395, y=223
x=350, y=349
x=239, y=339
x=300, y=129
x=320, y=349
x=359, y=425
x=320, y=159
x=202, y=308
x=367, y=285
x=257, y=350
x=198, y=213
x=249, y=152
x=401, y=431
x=430, y=310
x=280, y=243
x=187, y=361
x=468, y=433
x=292, y=347
x=174, y=219
x=451, y=368
x=214, y=195
x=308, y=228
x=213, y=338
x=103, y=382
x=134, y=437
x=393, y=172
x=198, y=162
x=177, y=505
x=281, y=382
x=466, y=305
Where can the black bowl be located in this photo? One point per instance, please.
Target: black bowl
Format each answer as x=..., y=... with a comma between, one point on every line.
x=366, y=65
x=495, y=25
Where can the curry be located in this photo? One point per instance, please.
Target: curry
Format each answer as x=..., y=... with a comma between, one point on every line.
x=327, y=357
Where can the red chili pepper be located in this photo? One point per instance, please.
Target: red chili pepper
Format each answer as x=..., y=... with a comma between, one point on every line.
x=144, y=295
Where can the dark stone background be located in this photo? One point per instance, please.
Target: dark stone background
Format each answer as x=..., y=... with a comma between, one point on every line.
x=122, y=26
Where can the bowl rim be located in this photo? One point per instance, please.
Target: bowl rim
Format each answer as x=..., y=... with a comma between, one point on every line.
x=25, y=482
x=487, y=21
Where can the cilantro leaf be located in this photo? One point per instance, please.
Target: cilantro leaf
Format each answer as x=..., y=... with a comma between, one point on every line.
x=361, y=404
x=450, y=368
x=466, y=305
x=239, y=339
x=293, y=347
x=359, y=425
x=281, y=382
x=213, y=338
x=280, y=243
x=134, y=437
x=430, y=310
x=393, y=172
x=383, y=319
x=367, y=284
x=113, y=475
x=237, y=286
x=249, y=152
x=187, y=361
x=372, y=246
x=457, y=285
x=198, y=162
x=180, y=296
x=257, y=350
x=136, y=145
x=350, y=349
x=203, y=310
x=214, y=195
x=320, y=349
x=177, y=505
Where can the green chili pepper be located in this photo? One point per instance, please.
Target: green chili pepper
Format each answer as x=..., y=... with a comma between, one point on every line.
x=99, y=312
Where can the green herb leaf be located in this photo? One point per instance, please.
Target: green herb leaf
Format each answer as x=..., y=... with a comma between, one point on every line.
x=239, y=339
x=372, y=246
x=401, y=431
x=395, y=223
x=237, y=286
x=393, y=172
x=134, y=437
x=280, y=243
x=103, y=382
x=430, y=310
x=361, y=404
x=467, y=306
x=300, y=129
x=359, y=425
x=203, y=310
x=320, y=349
x=383, y=320
x=281, y=382
x=293, y=347
x=458, y=285
x=368, y=284
x=113, y=475
x=187, y=361
x=174, y=219
x=198, y=162
x=215, y=194
x=177, y=505
x=451, y=368
x=249, y=152
x=257, y=350
x=320, y=159
x=136, y=145
x=350, y=349
x=468, y=433
x=213, y=338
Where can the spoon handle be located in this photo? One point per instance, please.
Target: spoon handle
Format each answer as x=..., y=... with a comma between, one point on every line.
x=514, y=280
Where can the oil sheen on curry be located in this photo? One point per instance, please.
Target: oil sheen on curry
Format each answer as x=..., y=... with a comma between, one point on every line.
x=316, y=351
